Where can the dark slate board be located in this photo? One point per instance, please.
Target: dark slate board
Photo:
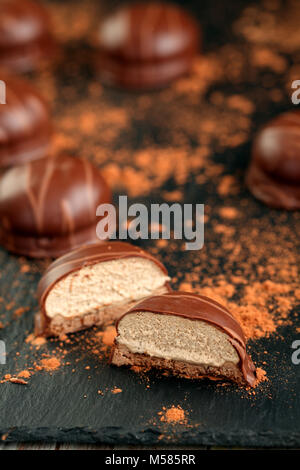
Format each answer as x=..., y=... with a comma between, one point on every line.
x=66, y=407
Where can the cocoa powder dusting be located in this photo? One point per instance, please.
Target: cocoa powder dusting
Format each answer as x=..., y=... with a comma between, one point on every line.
x=107, y=336
x=116, y=390
x=25, y=374
x=49, y=364
x=174, y=414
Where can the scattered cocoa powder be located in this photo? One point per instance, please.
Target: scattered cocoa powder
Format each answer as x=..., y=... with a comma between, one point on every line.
x=25, y=374
x=16, y=380
x=19, y=311
x=227, y=185
x=272, y=26
x=35, y=340
x=116, y=390
x=50, y=364
x=174, y=414
x=229, y=213
x=25, y=268
x=261, y=375
x=107, y=337
x=10, y=305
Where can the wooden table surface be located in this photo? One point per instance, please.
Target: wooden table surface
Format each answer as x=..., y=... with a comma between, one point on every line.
x=58, y=446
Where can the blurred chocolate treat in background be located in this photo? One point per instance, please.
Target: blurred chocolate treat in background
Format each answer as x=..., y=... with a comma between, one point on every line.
x=48, y=206
x=146, y=45
x=25, y=35
x=274, y=172
x=25, y=124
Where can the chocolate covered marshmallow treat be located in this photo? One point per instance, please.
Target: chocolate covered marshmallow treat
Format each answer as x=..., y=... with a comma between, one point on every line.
x=26, y=39
x=96, y=284
x=48, y=206
x=25, y=123
x=146, y=45
x=184, y=334
x=273, y=176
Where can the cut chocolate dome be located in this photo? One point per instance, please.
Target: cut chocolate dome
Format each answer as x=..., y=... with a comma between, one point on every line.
x=95, y=284
x=188, y=335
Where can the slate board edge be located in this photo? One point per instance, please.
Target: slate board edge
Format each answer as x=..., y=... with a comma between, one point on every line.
x=151, y=436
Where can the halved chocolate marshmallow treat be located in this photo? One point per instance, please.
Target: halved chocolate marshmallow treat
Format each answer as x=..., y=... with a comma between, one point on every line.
x=95, y=284
x=188, y=335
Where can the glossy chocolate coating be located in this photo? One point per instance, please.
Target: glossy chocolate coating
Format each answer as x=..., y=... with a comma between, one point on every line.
x=274, y=172
x=146, y=45
x=198, y=307
x=25, y=35
x=25, y=126
x=86, y=256
x=48, y=206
